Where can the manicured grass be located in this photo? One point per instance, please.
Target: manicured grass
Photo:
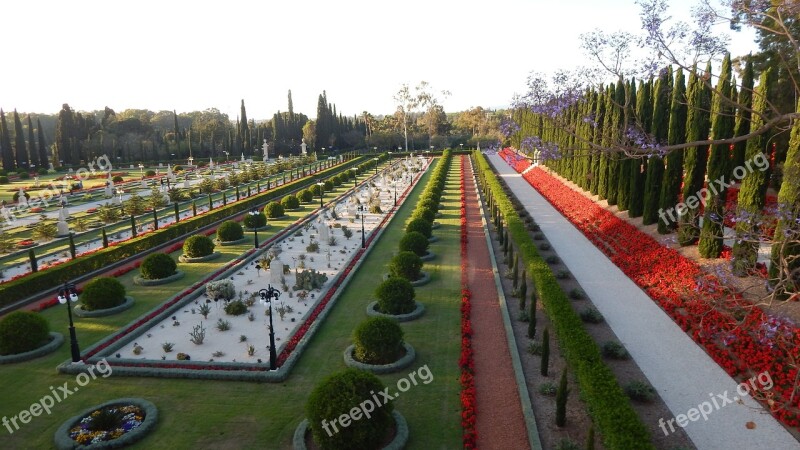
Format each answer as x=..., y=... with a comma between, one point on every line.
x=213, y=414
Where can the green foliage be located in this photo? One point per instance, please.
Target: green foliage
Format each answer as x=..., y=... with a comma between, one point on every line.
x=309, y=279
x=44, y=231
x=591, y=315
x=198, y=246
x=532, y=316
x=337, y=395
x=306, y=196
x=426, y=214
x=108, y=214
x=157, y=266
x=255, y=221
x=615, y=350
x=290, y=202
x=395, y=296
x=590, y=438
x=561, y=400
x=414, y=242
x=235, y=308
x=375, y=208
x=378, y=340
x=673, y=174
x=421, y=226
x=545, y=360
x=547, y=388
x=223, y=325
x=22, y=331
x=523, y=292
x=406, y=265
x=102, y=293
x=274, y=210
x=230, y=231
x=640, y=391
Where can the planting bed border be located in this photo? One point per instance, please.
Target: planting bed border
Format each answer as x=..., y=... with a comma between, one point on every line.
x=64, y=442
x=56, y=339
x=381, y=369
x=398, y=443
x=236, y=242
x=418, y=311
x=126, y=305
x=139, y=281
x=189, y=260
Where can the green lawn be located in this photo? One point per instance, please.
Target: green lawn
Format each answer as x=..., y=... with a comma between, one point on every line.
x=218, y=415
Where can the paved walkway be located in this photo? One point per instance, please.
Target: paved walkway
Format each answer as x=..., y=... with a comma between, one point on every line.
x=499, y=421
x=682, y=373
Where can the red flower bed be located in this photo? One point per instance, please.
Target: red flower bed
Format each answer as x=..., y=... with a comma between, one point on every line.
x=742, y=339
x=465, y=361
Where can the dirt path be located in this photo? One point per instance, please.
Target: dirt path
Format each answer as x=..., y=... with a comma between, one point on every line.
x=500, y=423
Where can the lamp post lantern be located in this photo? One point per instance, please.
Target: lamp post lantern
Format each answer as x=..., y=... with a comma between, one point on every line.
x=376, y=165
x=269, y=295
x=362, y=209
x=254, y=213
x=67, y=295
x=355, y=176
x=321, y=191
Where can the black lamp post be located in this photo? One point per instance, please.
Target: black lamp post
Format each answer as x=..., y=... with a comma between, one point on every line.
x=376, y=165
x=355, y=176
x=269, y=295
x=362, y=209
x=321, y=191
x=67, y=294
x=254, y=214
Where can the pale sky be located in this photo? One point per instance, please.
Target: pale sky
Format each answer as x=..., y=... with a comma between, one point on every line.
x=192, y=55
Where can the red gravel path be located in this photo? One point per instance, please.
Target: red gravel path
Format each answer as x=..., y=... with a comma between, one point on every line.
x=500, y=423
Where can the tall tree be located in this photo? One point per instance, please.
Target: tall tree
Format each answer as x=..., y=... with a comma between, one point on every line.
x=616, y=131
x=32, y=153
x=722, y=122
x=20, y=148
x=660, y=129
x=64, y=135
x=5, y=144
x=626, y=164
x=244, y=130
x=743, y=114
x=673, y=174
x=644, y=115
x=42, y=146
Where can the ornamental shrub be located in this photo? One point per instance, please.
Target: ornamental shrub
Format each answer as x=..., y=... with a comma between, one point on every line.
x=117, y=179
x=428, y=203
x=150, y=173
x=273, y=210
x=378, y=340
x=235, y=308
x=22, y=331
x=426, y=214
x=314, y=190
x=290, y=202
x=3, y=179
x=337, y=180
x=230, y=231
x=198, y=246
x=415, y=242
x=157, y=266
x=395, y=296
x=255, y=221
x=328, y=185
x=102, y=293
x=406, y=265
x=420, y=225
x=337, y=395
x=306, y=196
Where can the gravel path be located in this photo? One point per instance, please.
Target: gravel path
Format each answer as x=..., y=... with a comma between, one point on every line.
x=500, y=423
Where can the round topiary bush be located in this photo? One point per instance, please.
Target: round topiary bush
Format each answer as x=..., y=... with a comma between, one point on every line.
x=428, y=215
x=290, y=202
x=230, y=231
x=337, y=395
x=255, y=221
x=378, y=340
x=198, y=246
x=415, y=242
x=3, y=179
x=306, y=196
x=428, y=203
x=328, y=185
x=338, y=180
x=157, y=266
x=102, y=293
x=22, y=331
x=150, y=173
x=421, y=226
x=117, y=179
x=395, y=296
x=406, y=265
x=315, y=190
x=273, y=210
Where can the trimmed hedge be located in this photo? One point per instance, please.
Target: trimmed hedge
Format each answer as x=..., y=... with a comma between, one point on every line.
x=406, y=265
x=290, y=202
x=414, y=242
x=378, y=340
x=274, y=210
x=198, y=246
x=396, y=296
x=230, y=231
x=255, y=221
x=157, y=266
x=608, y=405
x=22, y=331
x=102, y=293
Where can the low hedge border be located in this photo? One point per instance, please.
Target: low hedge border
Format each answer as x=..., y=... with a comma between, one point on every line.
x=236, y=242
x=381, y=369
x=430, y=256
x=187, y=259
x=56, y=339
x=64, y=442
x=139, y=281
x=609, y=407
x=419, y=310
x=126, y=305
x=398, y=443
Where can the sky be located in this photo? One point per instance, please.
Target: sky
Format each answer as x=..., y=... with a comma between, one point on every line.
x=192, y=55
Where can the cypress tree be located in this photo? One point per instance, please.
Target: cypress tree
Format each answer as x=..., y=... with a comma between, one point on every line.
x=785, y=263
x=599, y=117
x=561, y=400
x=644, y=116
x=32, y=153
x=752, y=194
x=32, y=259
x=72, y=250
x=5, y=144
x=532, y=315
x=133, y=226
x=655, y=165
x=42, y=146
x=177, y=213
x=64, y=134
x=607, y=127
x=590, y=438
x=618, y=108
x=710, y=244
x=695, y=158
x=21, y=149
x=673, y=175
x=743, y=115
x=543, y=369
x=523, y=292
x=194, y=208
x=105, y=238
x=516, y=271
x=155, y=219
x=626, y=164
x=177, y=133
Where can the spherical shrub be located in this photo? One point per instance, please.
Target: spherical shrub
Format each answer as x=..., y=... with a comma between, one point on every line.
x=150, y=173
x=315, y=190
x=290, y=202
x=378, y=340
x=421, y=226
x=255, y=221
x=306, y=196
x=338, y=180
x=406, y=265
x=337, y=395
x=22, y=331
x=273, y=210
x=427, y=215
x=235, y=308
x=230, y=231
x=117, y=179
x=197, y=246
x=395, y=296
x=428, y=203
x=3, y=179
x=157, y=266
x=102, y=293
x=415, y=242
x=328, y=185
